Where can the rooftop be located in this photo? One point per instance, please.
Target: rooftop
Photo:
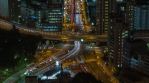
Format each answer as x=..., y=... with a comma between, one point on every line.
x=134, y=41
x=131, y=77
x=31, y=77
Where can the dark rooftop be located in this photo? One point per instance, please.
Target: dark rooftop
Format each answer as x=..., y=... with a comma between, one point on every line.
x=131, y=77
x=44, y=1
x=134, y=73
x=142, y=3
x=134, y=41
x=31, y=77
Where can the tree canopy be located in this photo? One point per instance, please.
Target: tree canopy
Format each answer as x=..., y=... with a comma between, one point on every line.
x=15, y=46
x=83, y=77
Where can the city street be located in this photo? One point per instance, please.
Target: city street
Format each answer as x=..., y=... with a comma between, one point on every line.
x=98, y=72
x=15, y=76
x=75, y=17
x=52, y=63
x=88, y=55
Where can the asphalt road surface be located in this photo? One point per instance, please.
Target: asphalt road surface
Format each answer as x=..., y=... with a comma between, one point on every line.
x=95, y=69
x=15, y=76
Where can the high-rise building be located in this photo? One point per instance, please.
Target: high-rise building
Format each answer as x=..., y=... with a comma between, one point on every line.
x=135, y=55
x=27, y=1
x=4, y=12
x=117, y=32
x=43, y=15
x=103, y=8
x=102, y=11
x=137, y=14
x=10, y=9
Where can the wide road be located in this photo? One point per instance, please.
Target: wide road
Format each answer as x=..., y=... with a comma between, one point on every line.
x=98, y=72
x=17, y=75
x=14, y=76
x=52, y=63
x=54, y=36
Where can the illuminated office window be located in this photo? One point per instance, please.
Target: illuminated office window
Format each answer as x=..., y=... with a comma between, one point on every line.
x=106, y=1
x=106, y=4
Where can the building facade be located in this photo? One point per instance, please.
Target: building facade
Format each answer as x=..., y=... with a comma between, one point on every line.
x=10, y=9
x=45, y=16
x=117, y=32
x=102, y=11
x=103, y=8
x=135, y=55
x=140, y=63
x=4, y=6
x=137, y=14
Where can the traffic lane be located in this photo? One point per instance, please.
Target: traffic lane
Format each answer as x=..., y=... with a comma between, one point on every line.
x=46, y=63
x=15, y=76
x=61, y=59
x=45, y=67
x=97, y=70
x=22, y=81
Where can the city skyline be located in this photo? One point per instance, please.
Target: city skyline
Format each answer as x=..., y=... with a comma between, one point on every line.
x=107, y=38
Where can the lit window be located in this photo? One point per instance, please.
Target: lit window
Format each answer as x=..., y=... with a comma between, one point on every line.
x=106, y=4
x=106, y=1
x=118, y=65
x=122, y=8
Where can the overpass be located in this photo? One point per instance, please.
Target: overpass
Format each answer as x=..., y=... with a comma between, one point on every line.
x=52, y=36
x=100, y=38
x=58, y=36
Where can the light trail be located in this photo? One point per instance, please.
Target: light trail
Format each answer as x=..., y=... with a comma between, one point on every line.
x=51, y=77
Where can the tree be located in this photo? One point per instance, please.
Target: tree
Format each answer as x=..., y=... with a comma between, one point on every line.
x=14, y=47
x=83, y=77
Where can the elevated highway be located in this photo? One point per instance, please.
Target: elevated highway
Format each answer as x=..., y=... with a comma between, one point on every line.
x=100, y=38
x=53, y=36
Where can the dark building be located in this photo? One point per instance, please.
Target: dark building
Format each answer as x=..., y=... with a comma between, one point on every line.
x=31, y=79
x=130, y=76
x=103, y=10
x=136, y=55
x=137, y=14
x=43, y=15
x=118, y=30
x=10, y=9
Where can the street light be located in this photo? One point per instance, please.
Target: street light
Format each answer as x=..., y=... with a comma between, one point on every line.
x=82, y=40
x=25, y=59
x=57, y=63
x=6, y=69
